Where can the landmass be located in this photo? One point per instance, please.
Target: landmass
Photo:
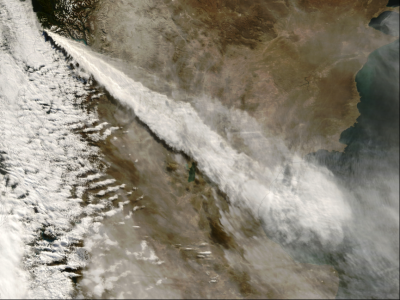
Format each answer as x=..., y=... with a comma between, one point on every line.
x=289, y=64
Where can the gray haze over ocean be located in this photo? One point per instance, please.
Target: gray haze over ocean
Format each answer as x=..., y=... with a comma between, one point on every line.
x=369, y=167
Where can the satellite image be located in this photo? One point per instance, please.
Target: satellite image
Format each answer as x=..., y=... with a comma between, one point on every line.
x=199, y=149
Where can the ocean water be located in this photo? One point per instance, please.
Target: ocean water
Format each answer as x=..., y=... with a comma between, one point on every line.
x=368, y=168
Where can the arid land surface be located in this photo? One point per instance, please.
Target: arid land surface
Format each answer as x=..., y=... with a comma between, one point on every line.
x=289, y=64
x=208, y=247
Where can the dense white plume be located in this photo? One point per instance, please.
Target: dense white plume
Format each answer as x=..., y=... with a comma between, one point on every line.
x=314, y=204
x=299, y=203
x=40, y=160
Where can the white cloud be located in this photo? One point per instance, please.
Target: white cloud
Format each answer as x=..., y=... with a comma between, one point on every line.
x=43, y=159
x=244, y=179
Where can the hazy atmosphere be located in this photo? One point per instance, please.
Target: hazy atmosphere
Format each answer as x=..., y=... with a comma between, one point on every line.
x=199, y=149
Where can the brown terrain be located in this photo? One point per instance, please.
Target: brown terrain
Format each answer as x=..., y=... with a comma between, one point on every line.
x=289, y=64
x=208, y=247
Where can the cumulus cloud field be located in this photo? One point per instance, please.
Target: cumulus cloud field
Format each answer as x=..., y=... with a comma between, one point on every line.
x=299, y=203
